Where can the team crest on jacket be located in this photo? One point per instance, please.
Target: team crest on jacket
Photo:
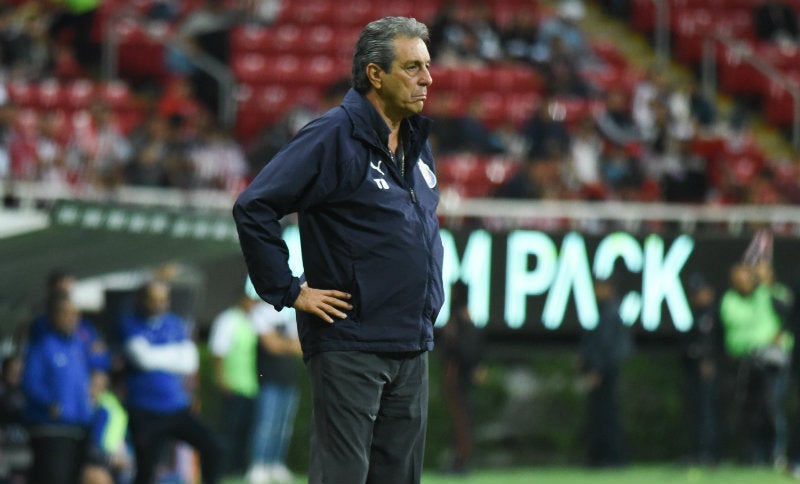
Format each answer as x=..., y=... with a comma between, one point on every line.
x=427, y=173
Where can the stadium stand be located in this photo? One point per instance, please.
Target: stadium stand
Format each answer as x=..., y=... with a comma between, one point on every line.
x=294, y=58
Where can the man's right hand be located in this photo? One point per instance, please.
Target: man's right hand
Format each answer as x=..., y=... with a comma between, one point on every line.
x=323, y=303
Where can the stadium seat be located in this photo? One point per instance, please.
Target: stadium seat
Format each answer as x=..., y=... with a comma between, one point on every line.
x=286, y=38
x=118, y=95
x=355, y=12
x=78, y=94
x=21, y=93
x=322, y=71
x=249, y=67
x=319, y=39
x=515, y=78
x=307, y=12
x=779, y=103
x=50, y=95
x=520, y=106
x=251, y=38
x=141, y=52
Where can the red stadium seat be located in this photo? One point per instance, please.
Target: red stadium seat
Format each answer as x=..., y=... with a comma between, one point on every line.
x=141, y=52
x=736, y=76
x=355, y=12
x=779, y=103
x=322, y=71
x=50, y=95
x=249, y=68
x=79, y=93
x=520, y=106
x=491, y=108
x=306, y=12
x=288, y=38
x=251, y=38
x=118, y=95
x=21, y=93
x=403, y=8
x=515, y=78
x=320, y=39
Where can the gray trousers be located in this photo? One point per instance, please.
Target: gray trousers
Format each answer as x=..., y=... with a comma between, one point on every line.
x=370, y=413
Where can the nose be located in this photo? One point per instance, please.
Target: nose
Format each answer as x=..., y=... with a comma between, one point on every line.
x=426, y=79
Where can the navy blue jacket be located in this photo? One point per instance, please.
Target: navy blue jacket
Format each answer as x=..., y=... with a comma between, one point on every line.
x=364, y=229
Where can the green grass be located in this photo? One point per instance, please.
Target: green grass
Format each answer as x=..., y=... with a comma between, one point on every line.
x=632, y=475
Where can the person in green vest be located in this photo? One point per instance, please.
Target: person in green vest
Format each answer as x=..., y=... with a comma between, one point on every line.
x=233, y=344
x=757, y=342
x=108, y=459
x=75, y=21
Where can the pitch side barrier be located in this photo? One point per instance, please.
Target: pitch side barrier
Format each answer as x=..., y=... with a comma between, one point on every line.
x=529, y=266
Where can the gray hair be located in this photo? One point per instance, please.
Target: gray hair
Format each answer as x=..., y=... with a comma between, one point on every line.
x=375, y=45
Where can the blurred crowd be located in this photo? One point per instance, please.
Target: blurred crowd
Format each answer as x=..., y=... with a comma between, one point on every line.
x=598, y=128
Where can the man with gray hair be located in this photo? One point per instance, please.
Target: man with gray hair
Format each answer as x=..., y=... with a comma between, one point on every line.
x=363, y=182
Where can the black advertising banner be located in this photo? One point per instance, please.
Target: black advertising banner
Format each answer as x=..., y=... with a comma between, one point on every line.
x=535, y=284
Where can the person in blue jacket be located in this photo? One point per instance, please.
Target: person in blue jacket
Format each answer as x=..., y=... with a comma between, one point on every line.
x=61, y=282
x=58, y=406
x=363, y=182
x=160, y=355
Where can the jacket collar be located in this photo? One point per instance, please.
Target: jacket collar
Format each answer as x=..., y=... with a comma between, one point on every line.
x=369, y=126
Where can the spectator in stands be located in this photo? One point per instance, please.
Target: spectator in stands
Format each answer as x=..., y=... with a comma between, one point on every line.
x=776, y=21
x=23, y=161
x=565, y=24
x=762, y=189
x=560, y=72
x=538, y=178
x=465, y=133
x=621, y=172
x=487, y=32
x=74, y=21
x=520, y=34
x=445, y=28
x=455, y=39
x=160, y=356
x=51, y=154
x=759, y=346
x=682, y=173
x=218, y=161
x=25, y=48
x=602, y=352
x=99, y=148
x=647, y=97
x=584, y=172
x=14, y=438
x=278, y=371
x=56, y=386
x=233, y=343
x=546, y=129
x=178, y=99
x=151, y=148
x=615, y=120
x=702, y=349
x=162, y=154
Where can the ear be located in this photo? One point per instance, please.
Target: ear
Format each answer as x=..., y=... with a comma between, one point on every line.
x=374, y=75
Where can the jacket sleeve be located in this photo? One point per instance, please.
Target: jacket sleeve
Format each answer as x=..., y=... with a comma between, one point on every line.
x=35, y=383
x=298, y=177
